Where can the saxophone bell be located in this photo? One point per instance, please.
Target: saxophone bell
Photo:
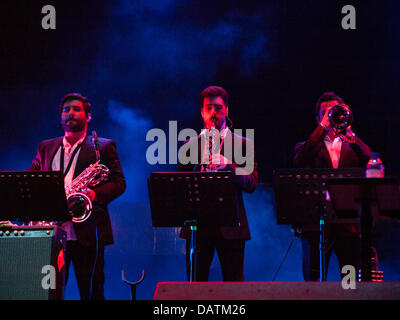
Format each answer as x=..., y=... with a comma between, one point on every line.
x=79, y=206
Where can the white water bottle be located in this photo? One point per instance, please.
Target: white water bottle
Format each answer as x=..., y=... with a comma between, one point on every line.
x=375, y=167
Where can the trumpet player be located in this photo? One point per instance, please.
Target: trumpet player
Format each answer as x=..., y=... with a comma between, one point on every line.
x=72, y=154
x=332, y=144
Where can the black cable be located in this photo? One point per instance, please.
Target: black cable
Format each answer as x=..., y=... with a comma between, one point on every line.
x=284, y=258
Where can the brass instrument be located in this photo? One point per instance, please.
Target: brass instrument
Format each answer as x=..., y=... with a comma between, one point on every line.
x=340, y=118
x=79, y=204
x=213, y=145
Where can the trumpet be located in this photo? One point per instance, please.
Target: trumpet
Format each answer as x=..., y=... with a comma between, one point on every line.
x=341, y=118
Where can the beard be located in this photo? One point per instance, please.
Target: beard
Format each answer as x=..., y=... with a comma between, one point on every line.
x=73, y=125
x=217, y=123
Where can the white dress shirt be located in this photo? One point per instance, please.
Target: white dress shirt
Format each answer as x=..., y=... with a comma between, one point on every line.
x=334, y=148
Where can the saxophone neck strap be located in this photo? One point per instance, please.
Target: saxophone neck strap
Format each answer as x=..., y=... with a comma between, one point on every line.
x=70, y=160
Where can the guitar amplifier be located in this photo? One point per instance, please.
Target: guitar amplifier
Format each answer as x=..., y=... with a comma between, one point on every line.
x=32, y=263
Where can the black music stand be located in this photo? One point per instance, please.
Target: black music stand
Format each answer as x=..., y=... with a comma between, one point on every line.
x=369, y=199
x=192, y=199
x=36, y=196
x=33, y=196
x=301, y=198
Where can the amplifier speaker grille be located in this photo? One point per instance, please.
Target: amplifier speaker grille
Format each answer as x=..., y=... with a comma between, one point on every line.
x=24, y=252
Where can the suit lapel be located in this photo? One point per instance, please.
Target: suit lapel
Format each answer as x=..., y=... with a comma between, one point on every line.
x=51, y=153
x=325, y=155
x=229, y=140
x=343, y=153
x=200, y=150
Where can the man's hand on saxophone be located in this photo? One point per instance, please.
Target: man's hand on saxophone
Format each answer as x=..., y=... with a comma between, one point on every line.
x=90, y=193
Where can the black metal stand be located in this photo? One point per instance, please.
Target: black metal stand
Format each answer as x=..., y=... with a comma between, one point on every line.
x=193, y=248
x=322, y=250
x=366, y=234
x=36, y=196
x=366, y=194
x=307, y=191
x=133, y=284
x=33, y=196
x=193, y=200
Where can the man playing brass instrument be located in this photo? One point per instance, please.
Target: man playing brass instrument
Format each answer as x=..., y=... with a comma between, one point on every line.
x=229, y=242
x=72, y=154
x=328, y=147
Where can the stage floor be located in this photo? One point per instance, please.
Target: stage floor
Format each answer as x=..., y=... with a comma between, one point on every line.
x=276, y=291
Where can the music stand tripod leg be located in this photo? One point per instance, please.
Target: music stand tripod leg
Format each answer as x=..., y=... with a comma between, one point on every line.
x=322, y=265
x=193, y=248
x=193, y=254
x=366, y=242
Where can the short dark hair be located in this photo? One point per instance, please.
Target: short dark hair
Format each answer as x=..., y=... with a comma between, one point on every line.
x=326, y=96
x=214, y=91
x=76, y=96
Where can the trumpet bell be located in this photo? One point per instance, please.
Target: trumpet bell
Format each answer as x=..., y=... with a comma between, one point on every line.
x=340, y=116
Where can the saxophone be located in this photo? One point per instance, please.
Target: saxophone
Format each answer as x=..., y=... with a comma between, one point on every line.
x=79, y=204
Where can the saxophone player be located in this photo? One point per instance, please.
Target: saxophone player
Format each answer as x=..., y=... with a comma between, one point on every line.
x=228, y=242
x=72, y=154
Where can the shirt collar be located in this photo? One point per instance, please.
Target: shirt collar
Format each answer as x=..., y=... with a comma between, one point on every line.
x=68, y=148
x=223, y=132
x=328, y=139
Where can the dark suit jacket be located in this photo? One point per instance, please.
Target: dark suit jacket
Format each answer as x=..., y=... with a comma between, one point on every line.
x=247, y=183
x=107, y=191
x=314, y=154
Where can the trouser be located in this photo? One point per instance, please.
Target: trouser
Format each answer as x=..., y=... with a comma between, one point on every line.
x=230, y=254
x=88, y=262
x=347, y=248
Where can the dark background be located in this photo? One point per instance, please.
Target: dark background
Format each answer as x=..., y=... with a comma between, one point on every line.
x=144, y=63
